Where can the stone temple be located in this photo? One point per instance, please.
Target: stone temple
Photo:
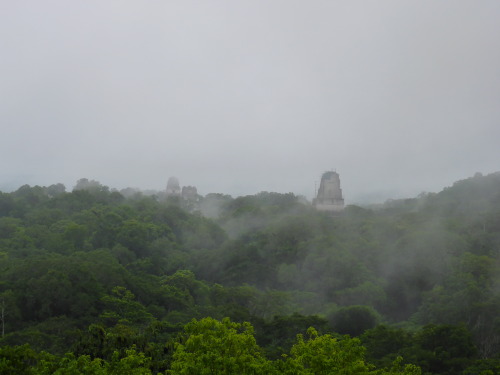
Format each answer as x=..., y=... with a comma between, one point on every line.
x=189, y=193
x=329, y=196
x=173, y=187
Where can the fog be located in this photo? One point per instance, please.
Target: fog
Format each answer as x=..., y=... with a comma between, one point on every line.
x=248, y=96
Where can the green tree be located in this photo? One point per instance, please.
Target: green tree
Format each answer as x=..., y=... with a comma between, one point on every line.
x=121, y=307
x=278, y=335
x=324, y=354
x=354, y=320
x=132, y=363
x=444, y=349
x=218, y=347
x=17, y=360
x=384, y=344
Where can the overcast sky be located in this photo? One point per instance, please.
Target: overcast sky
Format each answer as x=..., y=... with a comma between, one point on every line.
x=238, y=97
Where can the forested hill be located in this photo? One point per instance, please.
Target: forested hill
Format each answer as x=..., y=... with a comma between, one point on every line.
x=116, y=279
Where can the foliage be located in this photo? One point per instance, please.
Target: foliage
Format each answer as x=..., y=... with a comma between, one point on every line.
x=97, y=272
x=218, y=347
x=354, y=320
x=324, y=354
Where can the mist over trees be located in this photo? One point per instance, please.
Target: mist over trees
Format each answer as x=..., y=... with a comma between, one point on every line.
x=105, y=282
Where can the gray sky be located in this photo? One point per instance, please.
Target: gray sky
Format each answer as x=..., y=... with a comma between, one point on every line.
x=238, y=97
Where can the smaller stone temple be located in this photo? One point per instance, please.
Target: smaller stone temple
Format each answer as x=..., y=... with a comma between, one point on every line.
x=189, y=193
x=329, y=196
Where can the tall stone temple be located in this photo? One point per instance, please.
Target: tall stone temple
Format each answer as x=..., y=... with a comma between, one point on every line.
x=329, y=196
x=173, y=187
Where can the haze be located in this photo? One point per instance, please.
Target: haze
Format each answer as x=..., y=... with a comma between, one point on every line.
x=239, y=97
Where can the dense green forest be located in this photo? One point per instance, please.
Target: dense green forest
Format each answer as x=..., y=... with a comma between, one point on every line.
x=98, y=281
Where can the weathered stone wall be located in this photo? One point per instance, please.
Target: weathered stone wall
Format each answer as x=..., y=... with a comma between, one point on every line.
x=173, y=187
x=329, y=196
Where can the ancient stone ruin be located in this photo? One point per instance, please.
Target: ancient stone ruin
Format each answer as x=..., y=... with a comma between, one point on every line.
x=173, y=187
x=329, y=196
x=187, y=193
x=190, y=193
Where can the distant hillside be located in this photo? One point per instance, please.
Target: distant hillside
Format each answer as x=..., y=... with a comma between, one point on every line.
x=465, y=197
